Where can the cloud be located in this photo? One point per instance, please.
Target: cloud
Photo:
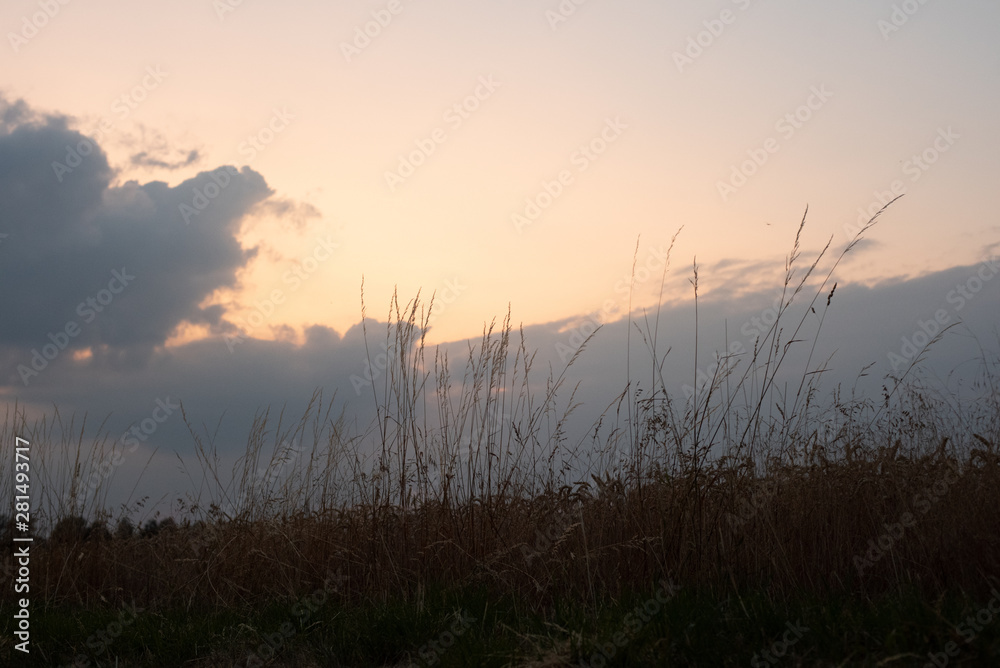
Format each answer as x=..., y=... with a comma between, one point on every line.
x=289, y=212
x=151, y=149
x=123, y=265
x=147, y=159
x=993, y=249
x=863, y=246
x=13, y=114
x=864, y=325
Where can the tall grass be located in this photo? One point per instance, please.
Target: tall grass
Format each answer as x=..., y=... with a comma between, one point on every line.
x=474, y=481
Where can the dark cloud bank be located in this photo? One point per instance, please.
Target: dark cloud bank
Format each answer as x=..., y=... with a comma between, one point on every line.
x=115, y=269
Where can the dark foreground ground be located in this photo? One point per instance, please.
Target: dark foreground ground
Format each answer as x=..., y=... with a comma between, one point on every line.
x=473, y=628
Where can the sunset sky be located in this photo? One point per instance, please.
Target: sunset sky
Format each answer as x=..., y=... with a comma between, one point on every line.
x=497, y=153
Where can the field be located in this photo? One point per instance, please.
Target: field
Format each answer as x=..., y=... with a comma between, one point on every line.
x=743, y=526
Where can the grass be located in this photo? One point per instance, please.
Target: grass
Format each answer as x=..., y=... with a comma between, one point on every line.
x=465, y=527
x=474, y=626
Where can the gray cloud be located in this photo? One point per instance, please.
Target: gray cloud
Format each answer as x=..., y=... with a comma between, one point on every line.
x=123, y=264
x=13, y=114
x=864, y=325
x=148, y=158
x=865, y=245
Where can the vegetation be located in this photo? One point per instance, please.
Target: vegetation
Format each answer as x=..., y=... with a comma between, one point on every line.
x=742, y=526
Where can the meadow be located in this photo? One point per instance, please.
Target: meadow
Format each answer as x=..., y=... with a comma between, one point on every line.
x=744, y=525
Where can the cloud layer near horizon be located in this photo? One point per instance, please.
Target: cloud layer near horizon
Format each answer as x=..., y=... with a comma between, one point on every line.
x=69, y=232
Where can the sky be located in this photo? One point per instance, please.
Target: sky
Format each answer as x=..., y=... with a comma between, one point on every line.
x=194, y=193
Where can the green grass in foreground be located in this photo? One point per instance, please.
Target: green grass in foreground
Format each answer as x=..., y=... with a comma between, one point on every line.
x=474, y=628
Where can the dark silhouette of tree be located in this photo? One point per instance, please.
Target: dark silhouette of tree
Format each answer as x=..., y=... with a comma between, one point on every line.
x=124, y=529
x=152, y=527
x=74, y=529
x=71, y=529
